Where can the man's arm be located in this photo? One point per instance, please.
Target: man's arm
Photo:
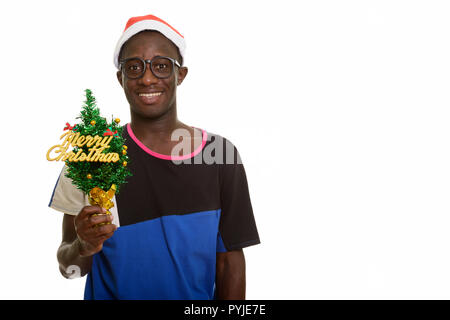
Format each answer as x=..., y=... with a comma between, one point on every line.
x=81, y=239
x=69, y=251
x=230, y=275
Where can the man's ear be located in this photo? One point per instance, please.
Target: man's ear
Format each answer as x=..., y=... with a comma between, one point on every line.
x=119, y=77
x=182, y=72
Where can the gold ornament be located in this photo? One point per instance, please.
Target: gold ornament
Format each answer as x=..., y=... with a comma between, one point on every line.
x=124, y=152
x=124, y=163
x=89, y=176
x=93, y=123
x=117, y=120
x=125, y=147
x=102, y=198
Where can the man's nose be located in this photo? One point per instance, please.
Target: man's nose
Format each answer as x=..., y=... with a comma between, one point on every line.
x=148, y=77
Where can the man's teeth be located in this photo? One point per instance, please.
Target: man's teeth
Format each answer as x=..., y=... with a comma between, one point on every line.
x=149, y=94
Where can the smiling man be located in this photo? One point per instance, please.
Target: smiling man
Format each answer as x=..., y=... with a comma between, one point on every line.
x=180, y=222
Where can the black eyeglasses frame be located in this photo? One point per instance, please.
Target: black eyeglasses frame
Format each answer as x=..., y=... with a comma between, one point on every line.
x=149, y=61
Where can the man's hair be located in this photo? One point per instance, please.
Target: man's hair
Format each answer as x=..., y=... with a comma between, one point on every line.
x=180, y=58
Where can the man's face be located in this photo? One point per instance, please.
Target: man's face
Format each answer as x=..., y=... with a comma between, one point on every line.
x=147, y=45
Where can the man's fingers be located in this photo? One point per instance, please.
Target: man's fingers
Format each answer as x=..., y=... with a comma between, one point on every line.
x=97, y=241
x=92, y=229
x=88, y=222
x=98, y=231
x=89, y=210
x=105, y=229
x=97, y=219
x=107, y=236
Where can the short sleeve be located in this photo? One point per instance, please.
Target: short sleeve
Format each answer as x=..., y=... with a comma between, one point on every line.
x=237, y=226
x=66, y=197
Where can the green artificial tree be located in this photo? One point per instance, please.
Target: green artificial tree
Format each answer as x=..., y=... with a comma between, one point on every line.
x=88, y=175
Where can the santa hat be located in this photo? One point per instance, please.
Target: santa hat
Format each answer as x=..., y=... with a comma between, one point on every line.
x=149, y=22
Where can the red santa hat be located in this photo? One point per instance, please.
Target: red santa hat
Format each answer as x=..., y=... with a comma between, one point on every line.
x=149, y=22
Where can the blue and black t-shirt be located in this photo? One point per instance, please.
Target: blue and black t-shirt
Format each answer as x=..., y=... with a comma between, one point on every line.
x=173, y=215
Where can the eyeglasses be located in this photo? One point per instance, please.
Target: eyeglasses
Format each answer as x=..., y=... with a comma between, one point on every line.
x=161, y=67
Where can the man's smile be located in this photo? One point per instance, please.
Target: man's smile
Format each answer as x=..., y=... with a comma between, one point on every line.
x=150, y=94
x=150, y=97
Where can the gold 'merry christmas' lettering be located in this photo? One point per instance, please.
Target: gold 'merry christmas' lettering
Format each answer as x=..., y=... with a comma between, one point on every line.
x=96, y=145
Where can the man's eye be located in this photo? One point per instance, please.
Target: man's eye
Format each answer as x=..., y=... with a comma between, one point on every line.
x=134, y=68
x=161, y=66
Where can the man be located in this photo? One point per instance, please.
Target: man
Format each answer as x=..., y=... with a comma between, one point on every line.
x=180, y=222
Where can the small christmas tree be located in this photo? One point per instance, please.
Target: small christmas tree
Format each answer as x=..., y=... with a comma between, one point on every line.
x=95, y=177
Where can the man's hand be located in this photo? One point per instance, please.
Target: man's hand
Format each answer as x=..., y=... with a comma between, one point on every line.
x=90, y=234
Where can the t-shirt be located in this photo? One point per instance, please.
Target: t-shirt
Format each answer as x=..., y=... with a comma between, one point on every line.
x=173, y=215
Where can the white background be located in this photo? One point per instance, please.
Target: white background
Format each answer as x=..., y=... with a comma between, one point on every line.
x=340, y=110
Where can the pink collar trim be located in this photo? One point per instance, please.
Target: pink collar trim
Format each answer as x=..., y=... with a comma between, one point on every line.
x=164, y=156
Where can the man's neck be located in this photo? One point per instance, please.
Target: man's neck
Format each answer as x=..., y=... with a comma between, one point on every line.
x=156, y=130
x=156, y=134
